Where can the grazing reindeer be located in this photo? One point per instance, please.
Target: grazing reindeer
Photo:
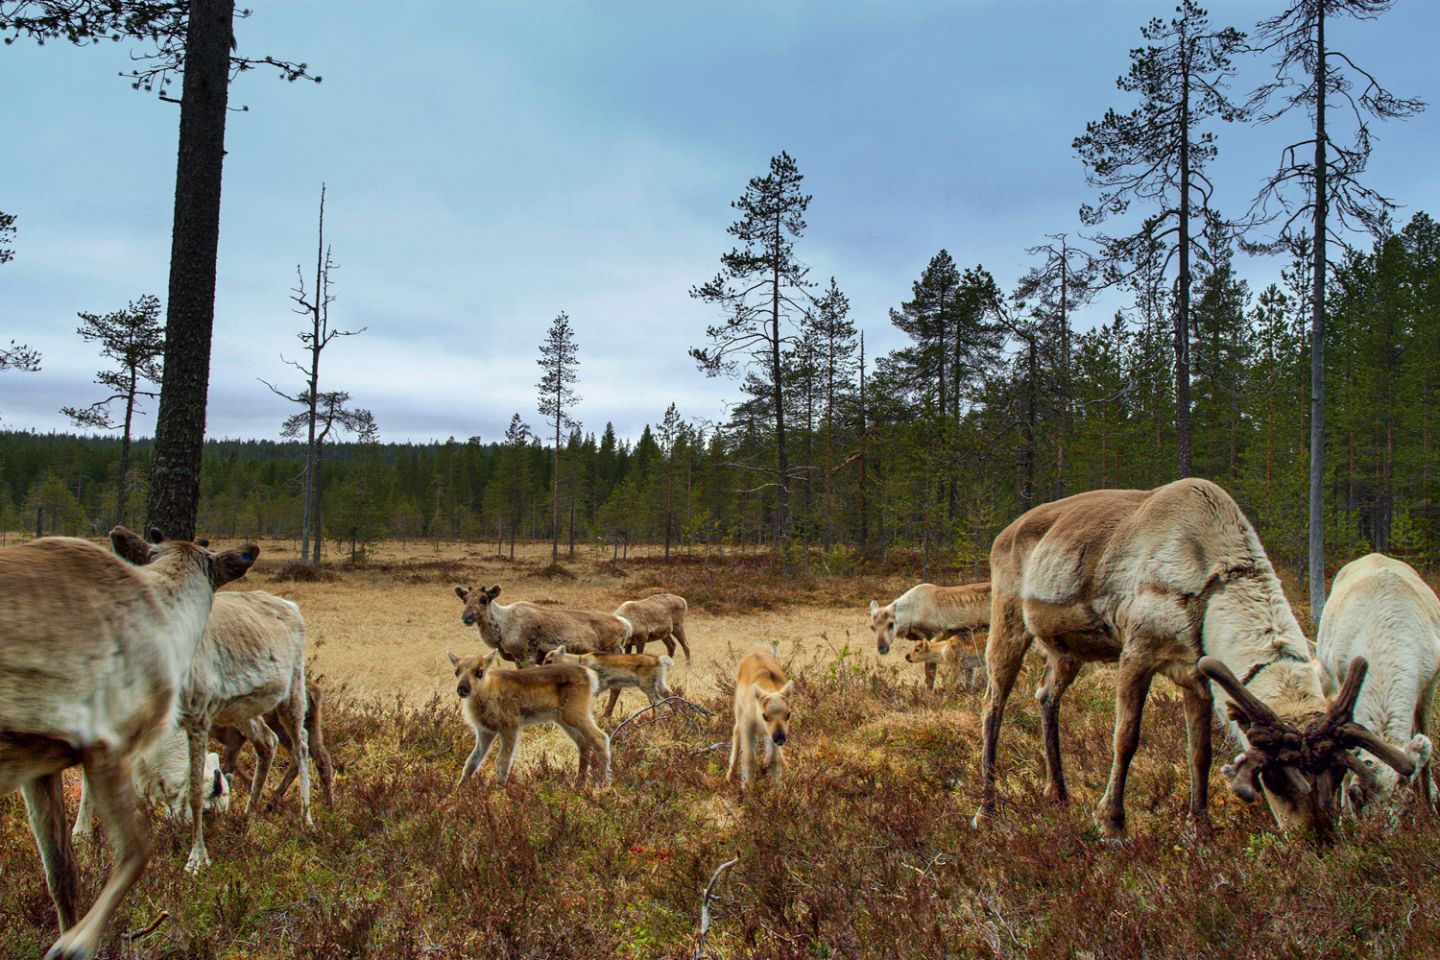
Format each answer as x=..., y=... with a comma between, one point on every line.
x=250, y=661
x=953, y=657
x=660, y=618
x=524, y=632
x=762, y=716
x=162, y=775
x=928, y=612
x=620, y=670
x=1157, y=579
x=234, y=742
x=504, y=702
x=93, y=656
x=1380, y=609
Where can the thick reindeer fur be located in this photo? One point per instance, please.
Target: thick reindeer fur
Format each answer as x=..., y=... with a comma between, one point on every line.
x=251, y=661
x=618, y=671
x=92, y=659
x=1154, y=579
x=659, y=618
x=930, y=612
x=502, y=703
x=523, y=632
x=233, y=741
x=1381, y=610
x=162, y=775
x=762, y=717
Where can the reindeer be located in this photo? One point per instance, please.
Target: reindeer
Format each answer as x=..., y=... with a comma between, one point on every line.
x=1156, y=579
x=762, y=716
x=523, y=632
x=929, y=612
x=1380, y=609
x=660, y=617
x=954, y=657
x=250, y=661
x=162, y=774
x=233, y=742
x=620, y=670
x=92, y=660
x=504, y=702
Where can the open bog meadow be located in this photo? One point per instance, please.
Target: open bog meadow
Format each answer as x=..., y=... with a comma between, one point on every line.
x=865, y=849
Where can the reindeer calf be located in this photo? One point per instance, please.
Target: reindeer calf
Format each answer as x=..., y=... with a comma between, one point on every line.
x=618, y=671
x=504, y=702
x=952, y=656
x=762, y=716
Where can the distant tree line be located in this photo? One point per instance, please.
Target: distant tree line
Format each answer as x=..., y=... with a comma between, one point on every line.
x=990, y=407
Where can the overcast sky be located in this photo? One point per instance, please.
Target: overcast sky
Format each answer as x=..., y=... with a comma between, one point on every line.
x=490, y=164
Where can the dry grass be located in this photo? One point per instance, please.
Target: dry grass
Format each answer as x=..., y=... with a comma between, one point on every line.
x=865, y=851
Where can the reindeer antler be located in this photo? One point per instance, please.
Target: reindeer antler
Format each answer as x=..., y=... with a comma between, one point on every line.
x=1276, y=747
x=1253, y=708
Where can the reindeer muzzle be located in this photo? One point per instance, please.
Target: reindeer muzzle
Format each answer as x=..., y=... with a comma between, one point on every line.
x=779, y=738
x=463, y=691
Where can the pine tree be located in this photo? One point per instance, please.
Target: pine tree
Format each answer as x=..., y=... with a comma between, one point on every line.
x=559, y=356
x=761, y=289
x=1157, y=154
x=135, y=340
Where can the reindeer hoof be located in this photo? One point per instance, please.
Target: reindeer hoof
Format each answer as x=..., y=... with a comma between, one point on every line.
x=198, y=861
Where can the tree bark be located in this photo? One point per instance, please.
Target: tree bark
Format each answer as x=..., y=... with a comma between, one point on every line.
x=194, y=247
x=1182, y=319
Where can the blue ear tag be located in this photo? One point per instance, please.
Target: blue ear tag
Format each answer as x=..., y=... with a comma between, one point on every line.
x=245, y=557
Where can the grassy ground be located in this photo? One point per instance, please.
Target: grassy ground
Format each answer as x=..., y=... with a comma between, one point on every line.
x=865, y=850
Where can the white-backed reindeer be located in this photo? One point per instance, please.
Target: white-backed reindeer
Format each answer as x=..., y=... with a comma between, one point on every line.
x=93, y=654
x=523, y=632
x=1381, y=610
x=250, y=661
x=1156, y=579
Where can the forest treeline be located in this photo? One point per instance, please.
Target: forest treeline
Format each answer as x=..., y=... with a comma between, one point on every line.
x=933, y=447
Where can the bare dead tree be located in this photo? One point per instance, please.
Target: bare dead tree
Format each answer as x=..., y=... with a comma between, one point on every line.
x=317, y=419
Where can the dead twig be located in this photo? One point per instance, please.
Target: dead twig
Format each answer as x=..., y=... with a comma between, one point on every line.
x=705, y=907
x=710, y=749
x=689, y=711
x=150, y=928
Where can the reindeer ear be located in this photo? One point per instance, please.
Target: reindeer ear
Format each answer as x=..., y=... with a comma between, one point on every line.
x=129, y=547
x=454, y=660
x=785, y=691
x=873, y=607
x=155, y=535
x=494, y=591
x=232, y=564
x=462, y=593
x=760, y=695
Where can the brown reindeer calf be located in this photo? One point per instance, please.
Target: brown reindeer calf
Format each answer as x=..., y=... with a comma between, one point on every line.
x=951, y=655
x=504, y=702
x=762, y=716
x=620, y=670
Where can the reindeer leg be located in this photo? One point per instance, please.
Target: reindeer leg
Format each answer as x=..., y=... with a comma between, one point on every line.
x=45, y=803
x=115, y=800
x=1004, y=653
x=85, y=817
x=735, y=735
x=483, y=739
x=930, y=672
x=1198, y=707
x=1131, y=687
x=509, y=746
x=678, y=631
x=263, y=739
x=614, y=699
x=198, y=734
x=292, y=714
x=1059, y=674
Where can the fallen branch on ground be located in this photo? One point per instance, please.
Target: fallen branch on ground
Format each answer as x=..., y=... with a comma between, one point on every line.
x=150, y=928
x=705, y=907
x=676, y=704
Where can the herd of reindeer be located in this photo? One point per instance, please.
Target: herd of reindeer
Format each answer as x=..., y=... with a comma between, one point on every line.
x=126, y=661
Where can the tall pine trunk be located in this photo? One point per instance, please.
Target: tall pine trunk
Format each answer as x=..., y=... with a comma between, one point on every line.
x=1316, y=566
x=194, y=246
x=1182, y=319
